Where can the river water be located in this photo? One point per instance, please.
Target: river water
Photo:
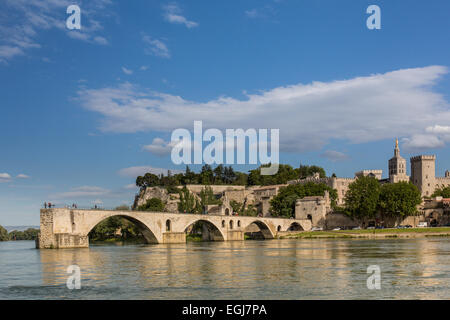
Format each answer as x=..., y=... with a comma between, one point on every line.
x=274, y=269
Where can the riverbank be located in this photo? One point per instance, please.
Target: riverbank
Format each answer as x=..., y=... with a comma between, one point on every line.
x=371, y=234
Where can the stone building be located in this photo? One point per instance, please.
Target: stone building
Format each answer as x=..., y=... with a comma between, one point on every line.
x=262, y=197
x=423, y=175
x=314, y=208
x=397, y=166
x=377, y=174
x=340, y=184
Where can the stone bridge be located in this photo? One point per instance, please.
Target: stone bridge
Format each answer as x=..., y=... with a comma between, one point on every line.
x=69, y=228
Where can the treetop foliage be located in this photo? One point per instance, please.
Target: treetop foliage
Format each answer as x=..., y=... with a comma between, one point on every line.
x=366, y=197
x=223, y=175
x=442, y=192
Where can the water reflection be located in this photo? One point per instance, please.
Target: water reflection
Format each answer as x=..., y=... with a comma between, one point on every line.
x=275, y=269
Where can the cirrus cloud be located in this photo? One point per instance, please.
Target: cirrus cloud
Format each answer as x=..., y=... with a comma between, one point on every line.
x=25, y=19
x=172, y=14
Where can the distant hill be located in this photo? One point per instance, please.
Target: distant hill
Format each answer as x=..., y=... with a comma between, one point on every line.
x=19, y=228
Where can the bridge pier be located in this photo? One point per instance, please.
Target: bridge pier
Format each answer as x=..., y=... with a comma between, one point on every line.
x=174, y=237
x=235, y=235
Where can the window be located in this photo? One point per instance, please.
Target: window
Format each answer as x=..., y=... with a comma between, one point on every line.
x=168, y=225
x=231, y=224
x=223, y=223
x=239, y=223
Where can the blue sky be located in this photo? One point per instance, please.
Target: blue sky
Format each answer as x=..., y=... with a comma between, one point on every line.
x=80, y=110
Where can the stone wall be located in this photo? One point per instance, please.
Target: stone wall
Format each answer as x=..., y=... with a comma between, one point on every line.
x=334, y=220
x=197, y=188
x=313, y=208
x=46, y=237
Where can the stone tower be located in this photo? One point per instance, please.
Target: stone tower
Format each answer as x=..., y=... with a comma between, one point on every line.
x=423, y=174
x=397, y=166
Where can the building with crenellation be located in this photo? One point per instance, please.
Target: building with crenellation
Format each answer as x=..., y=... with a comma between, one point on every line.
x=423, y=175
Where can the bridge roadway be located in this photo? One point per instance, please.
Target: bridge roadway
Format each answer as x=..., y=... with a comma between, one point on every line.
x=69, y=228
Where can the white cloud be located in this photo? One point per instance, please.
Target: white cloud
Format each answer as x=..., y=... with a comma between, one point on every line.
x=127, y=71
x=7, y=52
x=5, y=177
x=334, y=155
x=437, y=129
x=159, y=147
x=134, y=172
x=435, y=136
x=130, y=186
x=143, y=68
x=22, y=176
x=101, y=40
x=20, y=27
x=155, y=47
x=418, y=142
x=362, y=109
x=172, y=14
x=264, y=12
x=81, y=192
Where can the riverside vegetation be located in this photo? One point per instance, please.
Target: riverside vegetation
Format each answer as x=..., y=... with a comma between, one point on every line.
x=28, y=234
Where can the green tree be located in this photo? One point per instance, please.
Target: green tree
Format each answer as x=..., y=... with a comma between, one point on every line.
x=28, y=234
x=148, y=180
x=218, y=174
x=399, y=199
x=442, y=192
x=207, y=198
x=206, y=175
x=307, y=171
x=153, y=204
x=229, y=175
x=283, y=204
x=284, y=174
x=188, y=203
x=242, y=210
x=3, y=234
x=361, y=199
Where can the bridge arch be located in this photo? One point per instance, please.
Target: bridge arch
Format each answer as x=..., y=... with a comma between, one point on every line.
x=264, y=228
x=210, y=231
x=145, y=230
x=295, y=226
